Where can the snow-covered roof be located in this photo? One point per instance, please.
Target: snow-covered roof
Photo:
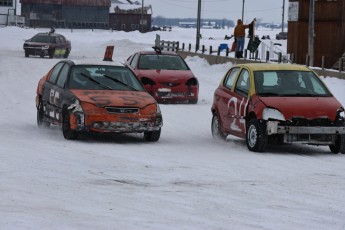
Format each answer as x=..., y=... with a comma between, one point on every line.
x=134, y=7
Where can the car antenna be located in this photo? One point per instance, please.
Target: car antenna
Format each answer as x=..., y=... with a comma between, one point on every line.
x=52, y=30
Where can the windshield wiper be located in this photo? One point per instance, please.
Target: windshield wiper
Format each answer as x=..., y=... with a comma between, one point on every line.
x=306, y=95
x=95, y=81
x=269, y=94
x=121, y=82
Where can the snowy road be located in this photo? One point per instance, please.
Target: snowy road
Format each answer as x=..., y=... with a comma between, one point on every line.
x=184, y=181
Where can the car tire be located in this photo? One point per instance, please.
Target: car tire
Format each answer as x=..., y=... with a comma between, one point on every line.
x=256, y=137
x=342, y=143
x=152, y=136
x=27, y=54
x=51, y=53
x=216, y=132
x=194, y=101
x=339, y=145
x=66, y=53
x=67, y=132
x=41, y=122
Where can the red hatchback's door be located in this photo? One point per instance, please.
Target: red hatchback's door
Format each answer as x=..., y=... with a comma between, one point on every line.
x=222, y=98
x=238, y=103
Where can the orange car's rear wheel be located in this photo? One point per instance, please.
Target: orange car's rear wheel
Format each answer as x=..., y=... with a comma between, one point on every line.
x=41, y=122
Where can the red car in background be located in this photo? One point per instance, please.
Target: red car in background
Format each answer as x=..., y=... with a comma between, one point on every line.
x=277, y=103
x=165, y=75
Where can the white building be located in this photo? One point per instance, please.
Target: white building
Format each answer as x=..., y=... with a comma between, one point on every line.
x=7, y=9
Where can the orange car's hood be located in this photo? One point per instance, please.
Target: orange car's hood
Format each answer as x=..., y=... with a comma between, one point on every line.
x=166, y=75
x=307, y=107
x=102, y=98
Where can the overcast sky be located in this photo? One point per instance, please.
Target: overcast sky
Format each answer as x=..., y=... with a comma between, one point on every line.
x=267, y=10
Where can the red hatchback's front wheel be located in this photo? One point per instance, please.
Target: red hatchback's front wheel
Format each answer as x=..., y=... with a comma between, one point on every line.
x=256, y=137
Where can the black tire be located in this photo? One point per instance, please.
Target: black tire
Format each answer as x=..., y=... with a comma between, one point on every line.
x=194, y=101
x=66, y=53
x=67, y=132
x=335, y=148
x=152, y=136
x=256, y=137
x=51, y=53
x=217, y=133
x=41, y=122
x=342, y=143
x=27, y=54
x=339, y=145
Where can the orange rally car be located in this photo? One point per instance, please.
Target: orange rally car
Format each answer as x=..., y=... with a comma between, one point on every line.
x=82, y=97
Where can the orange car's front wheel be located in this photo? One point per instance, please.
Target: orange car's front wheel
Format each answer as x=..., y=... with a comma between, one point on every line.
x=67, y=132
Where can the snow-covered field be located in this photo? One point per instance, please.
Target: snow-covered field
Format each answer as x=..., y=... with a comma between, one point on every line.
x=184, y=181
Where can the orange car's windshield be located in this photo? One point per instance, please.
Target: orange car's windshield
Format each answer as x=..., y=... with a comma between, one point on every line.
x=96, y=77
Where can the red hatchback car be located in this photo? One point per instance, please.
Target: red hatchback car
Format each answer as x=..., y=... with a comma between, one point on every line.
x=165, y=75
x=277, y=103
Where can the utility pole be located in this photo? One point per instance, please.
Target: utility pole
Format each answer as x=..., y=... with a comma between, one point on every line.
x=197, y=45
x=142, y=16
x=242, y=10
x=283, y=15
x=311, y=33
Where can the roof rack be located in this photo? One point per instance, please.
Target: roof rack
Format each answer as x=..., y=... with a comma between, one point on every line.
x=52, y=30
x=157, y=49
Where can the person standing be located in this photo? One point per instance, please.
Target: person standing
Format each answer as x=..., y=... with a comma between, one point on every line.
x=239, y=34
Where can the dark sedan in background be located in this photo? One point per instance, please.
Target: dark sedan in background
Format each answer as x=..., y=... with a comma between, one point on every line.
x=47, y=44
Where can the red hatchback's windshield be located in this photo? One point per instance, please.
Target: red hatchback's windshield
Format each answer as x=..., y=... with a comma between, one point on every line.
x=158, y=61
x=289, y=83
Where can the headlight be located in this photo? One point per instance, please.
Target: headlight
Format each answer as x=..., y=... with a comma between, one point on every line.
x=341, y=113
x=45, y=47
x=76, y=106
x=158, y=109
x=274, y=114
x=78, y=112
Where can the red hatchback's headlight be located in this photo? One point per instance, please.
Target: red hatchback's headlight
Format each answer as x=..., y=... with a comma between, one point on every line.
x=192, y=82
x=147, y=81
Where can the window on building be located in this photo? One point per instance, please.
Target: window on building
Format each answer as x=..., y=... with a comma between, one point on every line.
x=6, y=2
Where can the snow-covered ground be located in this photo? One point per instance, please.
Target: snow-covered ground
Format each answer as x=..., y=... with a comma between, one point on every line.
x=184, y=181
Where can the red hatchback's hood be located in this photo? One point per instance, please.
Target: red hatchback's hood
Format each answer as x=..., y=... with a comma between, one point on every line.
x=166, y=75
x=102, y=98
x=307, y=107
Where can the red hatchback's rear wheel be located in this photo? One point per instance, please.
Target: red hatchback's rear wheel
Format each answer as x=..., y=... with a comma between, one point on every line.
x=217, y=133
